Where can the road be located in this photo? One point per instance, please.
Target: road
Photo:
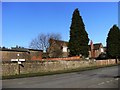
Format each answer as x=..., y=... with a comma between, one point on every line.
x=98, y=78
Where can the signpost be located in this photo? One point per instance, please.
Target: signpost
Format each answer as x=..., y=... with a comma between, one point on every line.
x=19, y=61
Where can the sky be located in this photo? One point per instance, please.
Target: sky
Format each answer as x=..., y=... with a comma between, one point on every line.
x=23, y=21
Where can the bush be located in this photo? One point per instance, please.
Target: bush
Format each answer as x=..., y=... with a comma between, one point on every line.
x=102, y=56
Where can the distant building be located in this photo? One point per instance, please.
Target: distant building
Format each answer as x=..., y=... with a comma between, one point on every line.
x=27, y=54
x=60, y=45
x=95, y=49
x=35, y=54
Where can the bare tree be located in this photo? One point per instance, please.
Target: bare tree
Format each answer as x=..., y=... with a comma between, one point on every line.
x=41, y=42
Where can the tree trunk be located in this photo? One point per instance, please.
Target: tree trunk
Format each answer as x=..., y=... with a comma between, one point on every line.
x=116, y=60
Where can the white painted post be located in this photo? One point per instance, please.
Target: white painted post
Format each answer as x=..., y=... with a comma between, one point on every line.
x=19, y=61
x=18, y=64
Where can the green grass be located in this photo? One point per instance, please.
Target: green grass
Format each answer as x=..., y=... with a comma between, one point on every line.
x=54, y=72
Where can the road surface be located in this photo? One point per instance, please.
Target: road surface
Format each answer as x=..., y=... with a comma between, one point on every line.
x=98, y=78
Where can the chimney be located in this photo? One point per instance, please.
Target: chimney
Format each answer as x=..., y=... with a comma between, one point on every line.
x=91, y=48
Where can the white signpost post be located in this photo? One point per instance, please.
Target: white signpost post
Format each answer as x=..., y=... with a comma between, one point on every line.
x=19, y=61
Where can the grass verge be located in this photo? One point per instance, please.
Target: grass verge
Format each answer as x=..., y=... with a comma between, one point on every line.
x=54, y=72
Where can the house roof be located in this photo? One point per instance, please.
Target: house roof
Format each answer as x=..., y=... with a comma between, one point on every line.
x=19, y=49
x=65, y=43
x=35, y=50
x=96, y=46
x=59, y=42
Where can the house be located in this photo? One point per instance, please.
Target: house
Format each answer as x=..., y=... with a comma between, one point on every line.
x=35, y=54
x=58, y=48
x=27, y=54
x=105, y=49
x=95, y=49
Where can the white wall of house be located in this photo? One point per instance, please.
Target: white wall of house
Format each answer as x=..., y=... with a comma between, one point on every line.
x=101, y=49
x=65, y=49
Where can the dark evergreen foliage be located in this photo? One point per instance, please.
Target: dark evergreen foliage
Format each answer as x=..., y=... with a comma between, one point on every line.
x=113, y=42
x=78, y=43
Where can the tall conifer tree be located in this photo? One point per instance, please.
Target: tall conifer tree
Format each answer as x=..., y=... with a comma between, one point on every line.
x=113, y=42
x=78, y=43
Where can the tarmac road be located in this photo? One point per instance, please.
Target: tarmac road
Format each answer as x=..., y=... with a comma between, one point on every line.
x=98, y=78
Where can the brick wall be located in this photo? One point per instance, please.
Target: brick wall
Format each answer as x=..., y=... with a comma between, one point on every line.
x=68, y=58
x=105, y=62
x=65, y=54
x=10, y=68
